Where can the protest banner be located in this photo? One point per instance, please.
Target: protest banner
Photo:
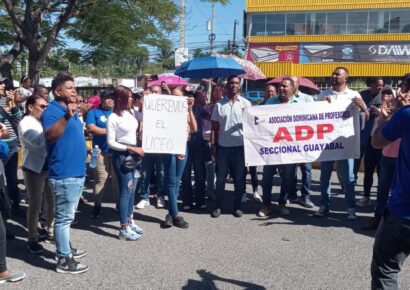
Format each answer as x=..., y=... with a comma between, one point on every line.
x=165, y=124
x=301, y=132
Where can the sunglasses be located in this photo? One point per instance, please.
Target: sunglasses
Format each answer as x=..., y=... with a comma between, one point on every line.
x=42, y=106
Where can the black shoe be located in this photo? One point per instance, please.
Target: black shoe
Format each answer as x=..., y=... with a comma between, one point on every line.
x=179, y=222
x=237, y=213
x=10, y=236
x=293, y=201
x=305, y=201
x=42, y=234
x=216, y=213
x=68, y=265
x=77, y=253
x=168, y=221
x=96, y=211
x=35, y=247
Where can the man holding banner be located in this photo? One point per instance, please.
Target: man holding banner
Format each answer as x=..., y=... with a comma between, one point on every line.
x=345, y=168
x=287, y=171
x=228, y=135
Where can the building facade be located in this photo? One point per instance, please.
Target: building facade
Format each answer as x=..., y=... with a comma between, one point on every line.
x=311, y=37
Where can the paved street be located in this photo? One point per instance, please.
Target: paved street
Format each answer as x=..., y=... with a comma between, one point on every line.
x=294, y=252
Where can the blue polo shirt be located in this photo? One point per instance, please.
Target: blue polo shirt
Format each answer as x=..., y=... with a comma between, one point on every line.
x=66, y=157
x=399, y=127
x=99, y=118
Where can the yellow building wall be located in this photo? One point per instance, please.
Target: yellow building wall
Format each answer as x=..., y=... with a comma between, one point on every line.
x=305, y=5
x=272, y=70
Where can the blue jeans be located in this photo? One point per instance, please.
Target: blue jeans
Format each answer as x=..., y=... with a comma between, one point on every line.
x=387, y=169
x=127, y=182
x=346, y=173
x=148, y=162
x=173, y=169
x=67, y=194
x=195, y=159
x=230, y=159
x=306, y=169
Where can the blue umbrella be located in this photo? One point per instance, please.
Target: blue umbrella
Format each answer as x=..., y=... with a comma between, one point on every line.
x=209, y=67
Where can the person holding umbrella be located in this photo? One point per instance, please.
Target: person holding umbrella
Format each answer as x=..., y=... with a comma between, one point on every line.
x=228, y=134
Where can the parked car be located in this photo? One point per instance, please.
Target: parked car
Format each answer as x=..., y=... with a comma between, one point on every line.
x=254, y=96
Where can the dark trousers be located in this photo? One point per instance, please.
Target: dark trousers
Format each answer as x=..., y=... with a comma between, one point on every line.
x=288, y=183
x=3, y=266
x=268, y=172
x=390, y=250
x=371, y=161
x=387, y=169
x=232, y=160
x=195, y=160
x=254, y=177
x=10, y=167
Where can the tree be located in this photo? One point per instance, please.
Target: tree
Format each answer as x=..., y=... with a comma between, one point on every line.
x=114, y=26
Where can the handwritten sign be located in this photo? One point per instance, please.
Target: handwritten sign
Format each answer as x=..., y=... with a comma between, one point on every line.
x=301, y=132
x=165, y=124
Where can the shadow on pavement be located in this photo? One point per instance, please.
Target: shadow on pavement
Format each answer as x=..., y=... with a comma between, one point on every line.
x=208, y=282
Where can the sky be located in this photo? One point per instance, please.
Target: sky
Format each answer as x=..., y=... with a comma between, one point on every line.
x=197, y=15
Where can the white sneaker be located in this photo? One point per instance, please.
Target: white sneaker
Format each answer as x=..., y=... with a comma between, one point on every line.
x=142, y=204
x=257, y=197
x=351, y=214
x=244, y=198
x=364, y=201
x=160, y=202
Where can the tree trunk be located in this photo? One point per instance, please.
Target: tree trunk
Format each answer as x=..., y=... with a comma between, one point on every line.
x=6, y=61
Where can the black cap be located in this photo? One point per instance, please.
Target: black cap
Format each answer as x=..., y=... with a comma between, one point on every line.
x=3, y=79
x=406, y=77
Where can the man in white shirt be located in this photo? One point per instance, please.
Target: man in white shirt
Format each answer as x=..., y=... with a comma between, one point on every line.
x=228, y=135
x=339, y=92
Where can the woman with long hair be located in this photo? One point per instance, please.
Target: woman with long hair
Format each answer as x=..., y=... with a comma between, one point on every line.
x=122, y=130
x=173, y=168
x=35, y=170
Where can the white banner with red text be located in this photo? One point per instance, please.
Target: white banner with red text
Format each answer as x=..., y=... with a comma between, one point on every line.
x=301, y=132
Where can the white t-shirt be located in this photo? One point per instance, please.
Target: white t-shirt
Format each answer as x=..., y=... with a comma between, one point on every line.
x=122, y=130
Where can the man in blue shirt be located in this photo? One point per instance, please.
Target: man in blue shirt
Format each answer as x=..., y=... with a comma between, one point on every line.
x=66, y=152
x=392, y=241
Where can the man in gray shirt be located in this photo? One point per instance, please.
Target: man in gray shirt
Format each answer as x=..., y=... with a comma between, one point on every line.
x=228, y=135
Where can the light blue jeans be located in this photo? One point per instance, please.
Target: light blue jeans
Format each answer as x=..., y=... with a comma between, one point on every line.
x=345, y=171
x=67, y=193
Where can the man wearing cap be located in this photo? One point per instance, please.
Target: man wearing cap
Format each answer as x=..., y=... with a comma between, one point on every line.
x=10, y=116
x=392, y=241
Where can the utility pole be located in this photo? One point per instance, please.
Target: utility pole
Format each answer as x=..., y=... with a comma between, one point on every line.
x=234, y=47
x=212, y=35
x=182, y=24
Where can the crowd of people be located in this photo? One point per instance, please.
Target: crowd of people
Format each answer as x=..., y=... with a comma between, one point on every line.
x=52, y=127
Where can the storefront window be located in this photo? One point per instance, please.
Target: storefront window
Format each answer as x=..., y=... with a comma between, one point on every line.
x=275, y=24
x=336, y=23
x=330, y=22
x=399, y=22
x=357, y=22
x=258, y=24
x=296, y=24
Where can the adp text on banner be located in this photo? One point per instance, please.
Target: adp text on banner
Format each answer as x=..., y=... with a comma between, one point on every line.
x=301, y=132
x=165, y=124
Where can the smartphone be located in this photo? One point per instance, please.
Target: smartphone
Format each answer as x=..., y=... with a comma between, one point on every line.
x=154, y=77
x=8, y=85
